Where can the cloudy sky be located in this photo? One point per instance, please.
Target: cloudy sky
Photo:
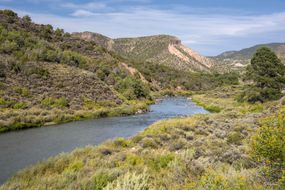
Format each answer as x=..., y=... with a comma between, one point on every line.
x=208, y=26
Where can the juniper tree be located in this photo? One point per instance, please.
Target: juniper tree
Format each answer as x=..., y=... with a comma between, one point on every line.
x=266, y=74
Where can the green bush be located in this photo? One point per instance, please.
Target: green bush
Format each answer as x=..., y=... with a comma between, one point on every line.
x=61, y=102
x=268, y=146
x=133, y=88
x=100, y=181
x=234, y=138
x=148, y=143
x=8, y=47
x=74, y=166
x=23, y=91
x=8, y=12
x=6, y=103
x=20, y=105
x=121, y=142
x=2, y=101
x=51, y=102
x=39, y=71
x=227, y=178
x=73, y=58
x=27, y=19
x=160, y=162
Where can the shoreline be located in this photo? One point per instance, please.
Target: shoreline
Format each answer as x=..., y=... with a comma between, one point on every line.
x=138, y=107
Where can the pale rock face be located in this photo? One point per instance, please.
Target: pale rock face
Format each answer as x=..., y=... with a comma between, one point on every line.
x=239, y=65
x=172, y=49
x=188, y=55
x=86, y=36
x=203, y=60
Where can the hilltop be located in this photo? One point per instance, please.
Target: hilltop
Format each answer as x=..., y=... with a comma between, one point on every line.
x=236, y=60
x=160, y=49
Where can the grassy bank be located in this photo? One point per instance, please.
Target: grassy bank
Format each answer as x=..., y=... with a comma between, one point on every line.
x=11, y=119
x=201, y=152
x=224, y=100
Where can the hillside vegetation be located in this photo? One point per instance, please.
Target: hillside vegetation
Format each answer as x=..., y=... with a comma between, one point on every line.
x=48, y=77
x=160, y=49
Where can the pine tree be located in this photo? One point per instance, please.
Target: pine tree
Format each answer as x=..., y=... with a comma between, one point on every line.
x=267, y=76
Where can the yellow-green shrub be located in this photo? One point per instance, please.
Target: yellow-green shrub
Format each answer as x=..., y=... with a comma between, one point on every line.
x=268, y=145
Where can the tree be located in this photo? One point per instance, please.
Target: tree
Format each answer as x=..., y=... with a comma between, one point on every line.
x=59, y=33
x=12, y=16
x=9, y=13
x=27, y=19
x=266, y=74
x=46, y=32
x=132, y=88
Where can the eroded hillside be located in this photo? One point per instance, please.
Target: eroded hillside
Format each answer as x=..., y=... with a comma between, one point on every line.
x=161, y=49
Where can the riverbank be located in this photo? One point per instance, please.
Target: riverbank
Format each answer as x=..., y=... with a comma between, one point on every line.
x=200, y=152
x=19, y=119
x=31, y=146
x=11, y=119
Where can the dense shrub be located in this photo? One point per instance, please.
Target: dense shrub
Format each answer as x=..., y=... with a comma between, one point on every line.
x=133, y=88
x=27, y=19
x=23, y=91
x=20, y=105
x=100, y=181
x=234, y=138
x=9, y=13
x=73, y=59
x=268, y=146
x=51, y=102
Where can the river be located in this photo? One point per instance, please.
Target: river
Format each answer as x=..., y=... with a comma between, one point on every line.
x=23, y=148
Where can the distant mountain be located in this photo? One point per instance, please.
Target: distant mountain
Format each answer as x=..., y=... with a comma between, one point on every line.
x=239, y=59
x=100, y=39
x=160, y=49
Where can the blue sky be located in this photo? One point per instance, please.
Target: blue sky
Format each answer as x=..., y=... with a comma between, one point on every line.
x=208, y=26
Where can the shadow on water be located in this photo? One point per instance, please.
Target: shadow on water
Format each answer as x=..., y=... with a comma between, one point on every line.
x=23, y=148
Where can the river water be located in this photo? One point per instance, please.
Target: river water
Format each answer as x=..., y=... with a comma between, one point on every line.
x=23, y=148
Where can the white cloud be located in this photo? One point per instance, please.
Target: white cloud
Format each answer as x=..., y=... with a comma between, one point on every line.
x=85, y=6
x=82, y=13
x=199, y=30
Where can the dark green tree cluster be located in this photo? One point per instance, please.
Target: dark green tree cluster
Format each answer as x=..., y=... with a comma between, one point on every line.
x=265, y=77
x=132, y=88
